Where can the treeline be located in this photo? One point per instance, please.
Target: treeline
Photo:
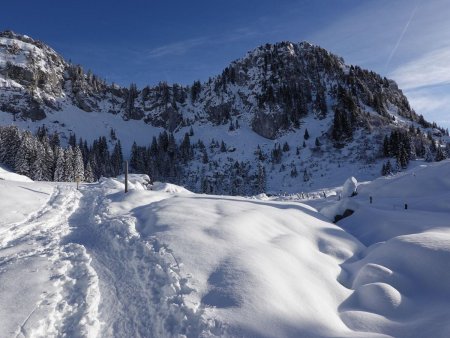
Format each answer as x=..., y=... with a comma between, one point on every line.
x=190, y=165
x=42, y=158
x=405, y=145
x=203, y=168
x=162, y=158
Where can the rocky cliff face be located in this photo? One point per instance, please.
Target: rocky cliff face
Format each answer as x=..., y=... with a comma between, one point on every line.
x=272, y=88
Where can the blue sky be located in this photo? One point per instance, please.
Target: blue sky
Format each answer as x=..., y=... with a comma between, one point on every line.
x=181, y=41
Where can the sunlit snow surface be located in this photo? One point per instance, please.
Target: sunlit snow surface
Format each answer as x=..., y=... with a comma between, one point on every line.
x=166, y=262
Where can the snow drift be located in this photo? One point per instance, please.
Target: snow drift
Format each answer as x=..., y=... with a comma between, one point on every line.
x=402, y=279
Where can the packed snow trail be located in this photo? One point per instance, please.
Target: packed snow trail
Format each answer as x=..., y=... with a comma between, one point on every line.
x=63, y=286
x=71, y=270
x=140, y=285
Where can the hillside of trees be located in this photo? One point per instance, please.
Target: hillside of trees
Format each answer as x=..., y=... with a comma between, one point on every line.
x=41, y=157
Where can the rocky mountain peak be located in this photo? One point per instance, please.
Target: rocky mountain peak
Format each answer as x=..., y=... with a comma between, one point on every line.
x=272, y=89
x=31, y=74
x=282, y=109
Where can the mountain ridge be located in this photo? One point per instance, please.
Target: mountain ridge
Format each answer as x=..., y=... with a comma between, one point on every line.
x=261, y=107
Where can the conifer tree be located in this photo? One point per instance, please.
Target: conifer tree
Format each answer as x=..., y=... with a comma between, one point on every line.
x=48, y=161
x=38, y=166
x=54, y=141
x=23, y=158
x=306, y=176
x=78, y=165
x=59, y=166
x=10, y=140
x=386, y=147
x=185, y=149
x=261, y=178
x=117, y=159
x=69, y=175
x=428, y=155
x=223, y=147
x=440, y=155
x=388, y=168
x=88, y=173
x=294, y=172
x=306, y=135
x=72, y=140
x=205, y=158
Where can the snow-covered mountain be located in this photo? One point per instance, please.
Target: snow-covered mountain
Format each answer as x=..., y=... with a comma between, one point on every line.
x=286, y=117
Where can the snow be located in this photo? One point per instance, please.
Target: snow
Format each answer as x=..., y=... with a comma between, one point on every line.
x=47, y=286
x=169, y=188
x=160, y=261
x=350, y=187
x=402, y=279
x=10, y=176
x=20, y=197
x=233, y=249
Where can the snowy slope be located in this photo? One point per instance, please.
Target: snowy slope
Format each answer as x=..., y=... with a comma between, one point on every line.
x=9, y=176
x=166, y=262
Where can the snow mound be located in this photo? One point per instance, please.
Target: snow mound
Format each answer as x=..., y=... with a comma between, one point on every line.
x=379, y=298
x=246, y=262
x=135, y=182
x=169, y=188
x=350, y=187
x=261, y=197
x=371, y=273
x=401, y=282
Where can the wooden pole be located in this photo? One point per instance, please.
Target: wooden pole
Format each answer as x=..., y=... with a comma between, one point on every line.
x=126, y=176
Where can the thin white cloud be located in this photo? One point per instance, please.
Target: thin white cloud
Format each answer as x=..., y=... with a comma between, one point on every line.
x=183, y=47
x=177, y=48
x=426, y=101
x=431, y=69
x=432, y=104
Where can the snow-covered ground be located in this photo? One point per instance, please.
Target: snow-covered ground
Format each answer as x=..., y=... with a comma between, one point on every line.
x=166, y=262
